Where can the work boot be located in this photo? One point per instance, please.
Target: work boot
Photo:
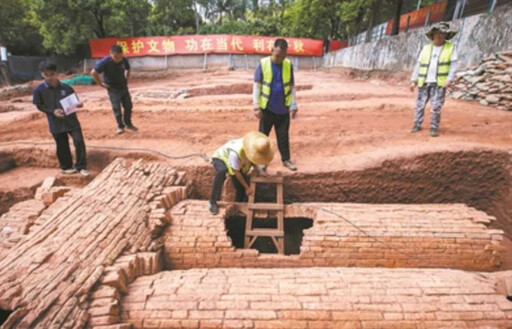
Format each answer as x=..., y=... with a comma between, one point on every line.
x=214, y=208
x=132, y=127
x=434, y=132
x=288, y=164
x=415, y=129
x=119, y=131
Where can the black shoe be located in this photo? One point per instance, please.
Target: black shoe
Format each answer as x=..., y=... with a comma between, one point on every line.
x=214, y=209
x=434, y=132
x=288, y=164
x=415, y=129
x=132, y=127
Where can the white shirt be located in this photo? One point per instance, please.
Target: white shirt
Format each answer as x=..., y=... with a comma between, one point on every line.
x=432, y=68
x=235, y=162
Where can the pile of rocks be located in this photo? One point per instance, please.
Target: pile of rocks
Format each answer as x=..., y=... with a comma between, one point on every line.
x=490, y=82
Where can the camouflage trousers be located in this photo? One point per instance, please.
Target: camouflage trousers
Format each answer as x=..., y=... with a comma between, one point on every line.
x=436, y=96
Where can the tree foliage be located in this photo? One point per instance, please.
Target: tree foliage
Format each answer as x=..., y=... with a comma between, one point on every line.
x=60, y=26
x=15, y=30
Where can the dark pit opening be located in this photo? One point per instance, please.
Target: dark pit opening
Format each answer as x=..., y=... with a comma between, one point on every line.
x=293, y=233
x=4, y=315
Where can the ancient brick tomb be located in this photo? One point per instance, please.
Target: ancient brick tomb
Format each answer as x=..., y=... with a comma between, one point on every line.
x=130, y=251
x=453, y=236
x=311, y=298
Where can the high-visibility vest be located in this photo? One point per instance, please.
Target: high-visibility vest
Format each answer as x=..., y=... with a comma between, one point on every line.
x=266, y=69
x=443, y=65
x=237, y=146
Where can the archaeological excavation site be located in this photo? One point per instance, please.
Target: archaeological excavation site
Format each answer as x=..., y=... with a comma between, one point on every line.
x=378, y=228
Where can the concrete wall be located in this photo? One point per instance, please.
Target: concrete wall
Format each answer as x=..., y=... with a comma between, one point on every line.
x=478, y=37
x=211, y=61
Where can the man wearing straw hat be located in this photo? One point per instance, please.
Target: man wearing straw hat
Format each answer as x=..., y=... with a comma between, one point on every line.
x=433, y=74
x=236, y=158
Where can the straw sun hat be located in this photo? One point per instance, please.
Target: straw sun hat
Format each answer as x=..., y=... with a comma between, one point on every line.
x=258, y=148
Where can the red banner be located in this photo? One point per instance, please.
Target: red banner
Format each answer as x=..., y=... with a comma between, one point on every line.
x=337, y=45
x=202, y=44
x=417, y=18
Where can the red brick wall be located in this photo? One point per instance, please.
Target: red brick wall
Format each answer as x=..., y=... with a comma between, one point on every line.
x=451, y=235
x=315, y=298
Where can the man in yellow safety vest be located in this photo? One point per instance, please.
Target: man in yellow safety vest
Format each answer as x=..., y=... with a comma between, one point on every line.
x=433, y=74
x=236, y=158
x=274, y=97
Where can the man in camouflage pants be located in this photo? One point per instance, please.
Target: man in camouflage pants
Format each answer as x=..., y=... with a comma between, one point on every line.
x=433, y=73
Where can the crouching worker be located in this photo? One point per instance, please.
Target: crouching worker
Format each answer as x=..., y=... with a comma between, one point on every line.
x=236, y=158
x=47, y=98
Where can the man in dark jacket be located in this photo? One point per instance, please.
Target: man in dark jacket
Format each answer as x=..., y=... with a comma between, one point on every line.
x=47, y=98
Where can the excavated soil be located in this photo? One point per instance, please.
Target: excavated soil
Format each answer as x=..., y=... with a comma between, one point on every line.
x=351, y=140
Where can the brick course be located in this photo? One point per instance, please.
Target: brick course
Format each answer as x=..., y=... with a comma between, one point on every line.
x=451, y=235
x=282, y=298
x=48, y=275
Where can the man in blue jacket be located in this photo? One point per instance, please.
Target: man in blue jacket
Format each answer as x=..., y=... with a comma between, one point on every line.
x=47, y=98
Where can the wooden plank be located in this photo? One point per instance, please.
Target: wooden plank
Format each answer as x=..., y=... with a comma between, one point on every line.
x=280, y=221
x=278, y=242
x=279, y=195
x=250, y=215
x=265, y=206
x=268, y=180
x=248, y=227
x=251, y=241
x=265, y=232
x=280, y=245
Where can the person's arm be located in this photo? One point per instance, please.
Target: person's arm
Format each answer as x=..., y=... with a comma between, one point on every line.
x=236, y=165
x=96, y=77
x=38, y=102
x=256, y=91
x=128, y=70
x=293, y=107
x=242, y=181
x=98, y=69
x=415, y=73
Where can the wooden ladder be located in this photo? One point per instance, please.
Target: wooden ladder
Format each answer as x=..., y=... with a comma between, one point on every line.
x=276, y=234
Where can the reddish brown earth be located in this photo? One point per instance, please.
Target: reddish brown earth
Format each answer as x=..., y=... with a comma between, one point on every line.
x=341, y=121
x=351, y=139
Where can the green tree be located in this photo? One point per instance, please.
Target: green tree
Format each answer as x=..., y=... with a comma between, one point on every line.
x=355, y=15
x=313, y=19
x=169, y=18
x=216, y=10
x=64, y=24
x=16, y=33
